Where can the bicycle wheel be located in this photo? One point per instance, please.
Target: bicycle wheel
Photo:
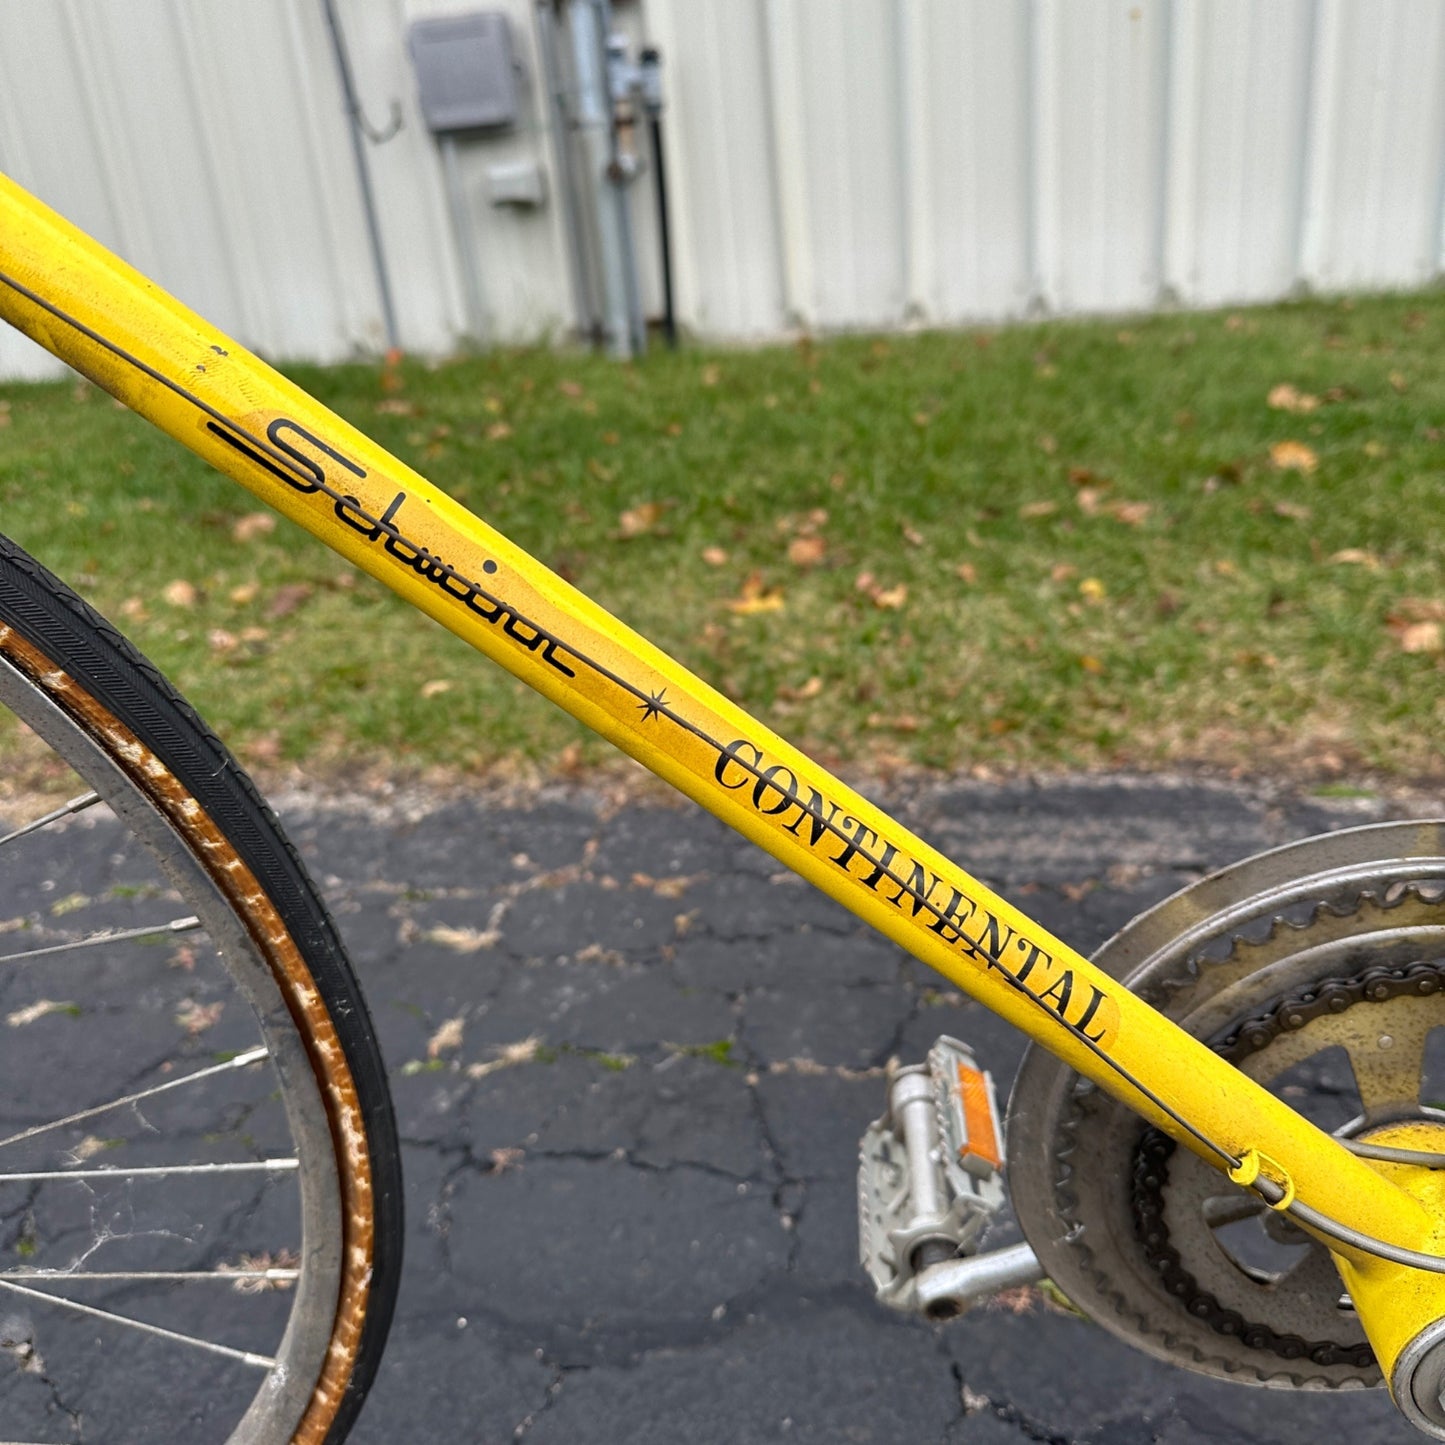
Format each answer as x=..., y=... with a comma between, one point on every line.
x=200, y=1202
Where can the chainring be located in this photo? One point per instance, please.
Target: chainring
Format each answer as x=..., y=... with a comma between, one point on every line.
x=1319, y=970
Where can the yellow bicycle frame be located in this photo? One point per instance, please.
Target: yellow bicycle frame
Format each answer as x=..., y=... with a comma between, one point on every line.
x=89, y=308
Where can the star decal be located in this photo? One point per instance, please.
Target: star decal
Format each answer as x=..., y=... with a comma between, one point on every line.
x=653, y=707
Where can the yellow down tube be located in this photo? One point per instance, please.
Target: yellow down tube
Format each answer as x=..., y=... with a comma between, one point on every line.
x=122, y=331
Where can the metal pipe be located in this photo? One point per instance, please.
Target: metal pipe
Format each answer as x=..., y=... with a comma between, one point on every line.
x=363, y=174
x=466, y=240
x=546, y=19
x=652, y=101
x=595, y=133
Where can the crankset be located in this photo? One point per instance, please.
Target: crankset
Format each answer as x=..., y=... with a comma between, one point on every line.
x=1318, y=970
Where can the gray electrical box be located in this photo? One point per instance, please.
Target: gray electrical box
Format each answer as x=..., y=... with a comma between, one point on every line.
x=465, y=71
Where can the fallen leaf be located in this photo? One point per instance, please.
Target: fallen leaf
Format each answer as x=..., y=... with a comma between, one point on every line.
x=436, y=687
x=1285, y=397
x=508, y=1056
x=1418, y=609
x=196, y=1018
x=640, y=520
x=807, y=551
x=37, y=1010
x=265, y=748
x=966, y=572
x=446, y=1038
x=903, y=722
x=1420, y=637
x=891, y=598
x=1223, y=567
x=135, y=609
x=222, y=641
x=506, y=1159
x=1091, y=589
x=574, y=389
x=245, y=594
x=1088, y=499
x=811, y=688
x=285, y=600
x=462, y=940
x=1375, y=449
x=499, y=431
x=1293, y=456
x=1293, y=511
x=1132, y=514
x=1091, y=664
x=253, y=525
x=711, y=374
x=755, y=596
x=912, y=535
x=595, y=953
x=1030, y=510
x=180, y=593
x=1061, y=571
x=1355, y=557
x=673, y=886
x=714, y=556
x=1398, y=382
x=1047, y=443
x=395, y=406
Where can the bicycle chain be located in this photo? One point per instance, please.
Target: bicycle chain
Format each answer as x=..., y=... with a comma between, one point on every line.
x=1150, y=1173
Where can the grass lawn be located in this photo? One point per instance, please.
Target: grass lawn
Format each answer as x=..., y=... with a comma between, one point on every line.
x=1147, y=542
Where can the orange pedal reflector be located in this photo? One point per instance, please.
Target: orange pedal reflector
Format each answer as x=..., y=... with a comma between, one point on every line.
x=979, y=1123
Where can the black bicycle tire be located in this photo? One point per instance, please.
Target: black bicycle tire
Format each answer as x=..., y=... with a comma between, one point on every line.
x=61, y=626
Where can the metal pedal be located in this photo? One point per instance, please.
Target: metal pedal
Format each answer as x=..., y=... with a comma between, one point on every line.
x=929, y=1180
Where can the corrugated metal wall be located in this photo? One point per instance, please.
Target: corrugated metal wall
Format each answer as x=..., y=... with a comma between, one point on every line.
x=835, y=163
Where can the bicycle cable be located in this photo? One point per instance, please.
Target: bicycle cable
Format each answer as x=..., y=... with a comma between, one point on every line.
x=1262, y=1186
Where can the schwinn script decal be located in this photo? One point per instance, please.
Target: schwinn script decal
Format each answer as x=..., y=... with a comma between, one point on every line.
x=773, y=790
x=969, y=929
x=386, y=531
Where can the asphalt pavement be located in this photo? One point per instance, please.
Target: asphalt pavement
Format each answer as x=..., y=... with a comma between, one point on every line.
x=632, y=1061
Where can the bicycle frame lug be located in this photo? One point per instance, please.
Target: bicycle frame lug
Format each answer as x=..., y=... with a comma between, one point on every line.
x=929, y=1181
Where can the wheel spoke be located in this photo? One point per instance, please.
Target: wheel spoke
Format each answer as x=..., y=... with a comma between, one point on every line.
x=245, y=1357
x=230, y=1276
x=251, y=1056
x=75, y=805
x=123, y=935
x=248, y=1166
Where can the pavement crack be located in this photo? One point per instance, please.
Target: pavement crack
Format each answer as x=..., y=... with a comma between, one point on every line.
x=649, y=1166
x=550, y=1396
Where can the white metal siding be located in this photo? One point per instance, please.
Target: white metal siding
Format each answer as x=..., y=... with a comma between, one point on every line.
x=834, y=163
